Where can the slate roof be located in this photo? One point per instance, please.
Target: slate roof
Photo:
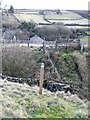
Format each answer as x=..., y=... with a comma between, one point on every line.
x=36, y=39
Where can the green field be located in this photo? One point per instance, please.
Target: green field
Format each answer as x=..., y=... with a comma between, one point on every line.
x=30, y=17
x=88, y=32
x=81, y=21
x=65, y=15
x=79, y=27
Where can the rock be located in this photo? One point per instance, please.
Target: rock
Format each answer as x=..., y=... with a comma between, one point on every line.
x=53, y=103
x=3, y=89
x=35, y=105
x=22, y=102
x=60, y=94
x=68, y=93
x=5, y=81
x=26, y=85
x=18, y=93
x=3, y=77
x=52, y=87
x=74, y=97
x=1, y=86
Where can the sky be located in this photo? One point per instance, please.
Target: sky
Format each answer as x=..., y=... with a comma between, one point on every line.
x=47, y=4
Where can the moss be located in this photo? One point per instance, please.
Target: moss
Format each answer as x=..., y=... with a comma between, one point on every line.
x=65, y=64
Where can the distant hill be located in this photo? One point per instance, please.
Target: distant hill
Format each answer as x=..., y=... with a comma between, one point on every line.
x=68, y=17
x=50, y=16
x=83, y=13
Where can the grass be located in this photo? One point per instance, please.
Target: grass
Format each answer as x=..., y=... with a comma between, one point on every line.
x=88, y=32
x=67, y=18
x=9, y=18
x=23, y=101
x=30, y=17
x=65, y=65
x=85, y=39
x=81, y=21
x=33, y=105
x=86, y=27
x=65, y=15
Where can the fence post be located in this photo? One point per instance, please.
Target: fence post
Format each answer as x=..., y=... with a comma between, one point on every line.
x=41, y=78
x=82, y=48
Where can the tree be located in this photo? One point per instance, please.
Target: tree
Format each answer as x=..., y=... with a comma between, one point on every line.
x=53, y=32
x=27, y=26
x=58, y=11
x=41, y=12
x=11, y=10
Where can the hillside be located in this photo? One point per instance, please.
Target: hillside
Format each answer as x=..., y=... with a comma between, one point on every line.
x=63, y=66
x=22, y=101
x=64, y=54
x=67, y=17
x=83, y=13
x=30, y=18
x=9, y=18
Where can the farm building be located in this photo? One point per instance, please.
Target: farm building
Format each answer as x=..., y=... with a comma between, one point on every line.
x=20, y=35
x=49, y=12
x=36, y=40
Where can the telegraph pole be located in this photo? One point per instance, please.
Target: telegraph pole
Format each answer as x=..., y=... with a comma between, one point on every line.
x=0, y=22
x=41, y=78
x=0, y=38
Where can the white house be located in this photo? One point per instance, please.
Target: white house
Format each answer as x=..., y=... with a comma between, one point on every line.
x=36, y=40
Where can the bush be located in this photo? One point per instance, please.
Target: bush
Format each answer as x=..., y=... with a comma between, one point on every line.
x=20, y=62
x=23, y=62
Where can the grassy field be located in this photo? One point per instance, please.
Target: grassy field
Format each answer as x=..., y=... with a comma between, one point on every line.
x=88, y=32
x=30, y=17
x=65, y=15
x=86, y=27
x=81, y=21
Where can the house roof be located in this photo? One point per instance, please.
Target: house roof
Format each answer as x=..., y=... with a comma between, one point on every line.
x=36, y=39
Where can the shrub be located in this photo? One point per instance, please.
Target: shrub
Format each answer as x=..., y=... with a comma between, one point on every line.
x=20, y=62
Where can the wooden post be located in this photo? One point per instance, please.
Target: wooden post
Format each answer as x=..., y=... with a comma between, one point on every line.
x=41, y=78
x=56, y=45
x=82, y=48
x=28, y=44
